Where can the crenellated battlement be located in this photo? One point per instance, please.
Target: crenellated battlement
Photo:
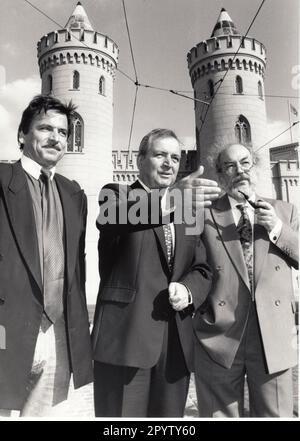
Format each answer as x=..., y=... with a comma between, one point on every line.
x=60, y=56
x=226, y=44
x=85, y=41
x=216, y=54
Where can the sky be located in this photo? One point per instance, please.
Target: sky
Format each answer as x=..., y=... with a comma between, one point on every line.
x=162, y=33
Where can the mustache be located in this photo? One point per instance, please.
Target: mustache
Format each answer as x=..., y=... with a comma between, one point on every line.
x=53, y=146
x=240, y=178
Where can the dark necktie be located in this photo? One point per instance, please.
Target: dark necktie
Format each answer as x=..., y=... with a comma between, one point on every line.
x=53, y=252
x=244, y=229
x=169, y=245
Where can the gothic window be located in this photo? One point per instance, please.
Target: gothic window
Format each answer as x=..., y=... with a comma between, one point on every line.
x=211, y=88
x=243, y=130
x=238, y=84
x=76, y=80
x=102, y=85
x=50, y=84
x=238, y=64
x=75, y=142
x=260, y=90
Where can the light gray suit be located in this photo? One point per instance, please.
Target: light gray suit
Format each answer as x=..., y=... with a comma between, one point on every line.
x=237, y=336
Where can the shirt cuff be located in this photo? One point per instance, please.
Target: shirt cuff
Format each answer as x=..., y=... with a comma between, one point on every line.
x=190, y=297
x=275, y=233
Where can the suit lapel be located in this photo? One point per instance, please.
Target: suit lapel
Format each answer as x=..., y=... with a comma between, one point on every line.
x=21, y=214
x=223, y=218
x=72, y=222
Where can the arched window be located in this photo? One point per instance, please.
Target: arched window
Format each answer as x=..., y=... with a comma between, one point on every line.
x=243, y=130
x=50, y=84
x=102, y=85
x=76, y=80
x=260, y=90
x=75, y=142
x=238, y=84
x=211, y=88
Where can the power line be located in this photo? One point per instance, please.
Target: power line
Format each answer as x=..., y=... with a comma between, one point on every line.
x=74, y=36
x=130, y=44
x=226, y=72
x=43, y=13
x=175, y=92
x=292, y=125
x=133, y=115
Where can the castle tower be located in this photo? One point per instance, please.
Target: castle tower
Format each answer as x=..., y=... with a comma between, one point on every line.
x=238, y=111
x=78, y=63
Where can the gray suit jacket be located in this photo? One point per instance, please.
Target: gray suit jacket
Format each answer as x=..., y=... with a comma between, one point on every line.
x=219, y=323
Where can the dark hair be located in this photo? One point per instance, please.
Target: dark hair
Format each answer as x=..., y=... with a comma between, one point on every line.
x=44, y=103
x=152, y=136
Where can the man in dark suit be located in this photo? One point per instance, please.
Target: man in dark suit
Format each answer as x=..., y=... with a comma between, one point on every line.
x=142, y=335
x=44, y=327
x=246, y=326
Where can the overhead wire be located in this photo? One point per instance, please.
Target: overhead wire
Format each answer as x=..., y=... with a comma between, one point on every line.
x=226, y=72
x=175, y=92
x=277, y=136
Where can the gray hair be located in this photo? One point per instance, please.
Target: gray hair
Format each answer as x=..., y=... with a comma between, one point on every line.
x=148, y=139
x=216, y=158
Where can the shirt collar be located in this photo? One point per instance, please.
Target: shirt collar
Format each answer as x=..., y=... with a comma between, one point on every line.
x=33, y=168
x=233, y=202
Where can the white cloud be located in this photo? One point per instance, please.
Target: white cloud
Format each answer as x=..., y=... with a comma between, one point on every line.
x=14, y=98
x=9, y=48
x=274, y=128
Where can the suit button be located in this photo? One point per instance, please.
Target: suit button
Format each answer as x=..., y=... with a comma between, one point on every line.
x=1, y=257
x=222, y=303
x=277, y=302
x=277, y=267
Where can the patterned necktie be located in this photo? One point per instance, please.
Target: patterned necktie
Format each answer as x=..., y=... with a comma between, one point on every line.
x=244, y=229
x=53, y=252
x=169, y=245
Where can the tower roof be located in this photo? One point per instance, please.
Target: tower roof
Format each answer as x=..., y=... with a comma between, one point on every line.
x=224, y=25
x=79, y=19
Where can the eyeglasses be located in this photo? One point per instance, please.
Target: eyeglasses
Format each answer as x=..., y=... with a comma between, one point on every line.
x=233, y=167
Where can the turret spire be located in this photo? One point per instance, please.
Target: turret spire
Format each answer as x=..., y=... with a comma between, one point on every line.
x=79, y=19
x=224, y=25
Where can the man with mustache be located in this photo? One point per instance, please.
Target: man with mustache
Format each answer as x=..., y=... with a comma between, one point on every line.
x=246, y=326
x=44, y=326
